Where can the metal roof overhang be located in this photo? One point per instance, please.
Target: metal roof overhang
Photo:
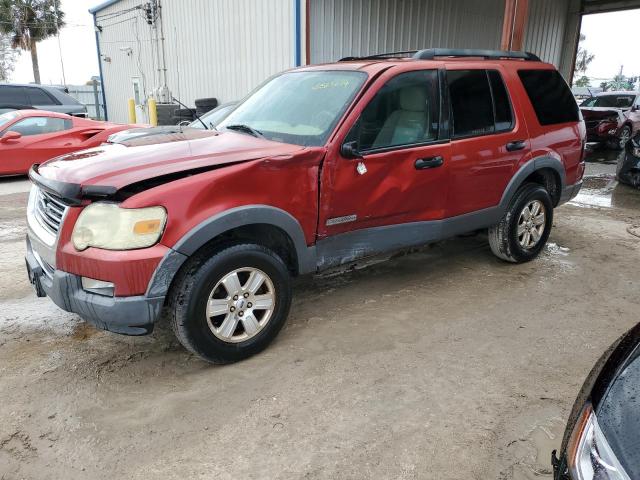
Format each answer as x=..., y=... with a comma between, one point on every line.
x=102, y=6
x=600, y=6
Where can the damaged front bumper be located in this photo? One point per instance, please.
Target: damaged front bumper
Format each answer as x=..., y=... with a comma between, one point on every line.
x=133, y=315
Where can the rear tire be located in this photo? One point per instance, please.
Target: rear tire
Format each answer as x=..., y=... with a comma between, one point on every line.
x=228, y=305
x=524, y=229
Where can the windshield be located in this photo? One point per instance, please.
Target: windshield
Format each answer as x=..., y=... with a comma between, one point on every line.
x=213, y=118
x=301, y=108
x=5, y=118
x=610, y=101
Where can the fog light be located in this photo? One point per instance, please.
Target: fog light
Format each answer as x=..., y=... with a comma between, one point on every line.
x=98, y=286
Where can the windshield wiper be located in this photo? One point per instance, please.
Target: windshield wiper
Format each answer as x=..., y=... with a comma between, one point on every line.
x=246, y=129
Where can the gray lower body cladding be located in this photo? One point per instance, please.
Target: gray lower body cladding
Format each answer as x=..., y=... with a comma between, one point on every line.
x=125, y=315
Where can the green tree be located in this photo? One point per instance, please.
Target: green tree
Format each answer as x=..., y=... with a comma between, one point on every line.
x=583, y=81
x=7, y=57
x=29, y=22
x=583, y=59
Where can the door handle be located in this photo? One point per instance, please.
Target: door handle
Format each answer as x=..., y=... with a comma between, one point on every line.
x=431, y=162
x=516, y=145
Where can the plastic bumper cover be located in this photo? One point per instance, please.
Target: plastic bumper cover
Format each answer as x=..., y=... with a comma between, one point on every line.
x=125, y=315
x=569, y=192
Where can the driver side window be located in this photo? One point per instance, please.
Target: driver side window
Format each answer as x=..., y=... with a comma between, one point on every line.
x=40, y=126
x=404, y=112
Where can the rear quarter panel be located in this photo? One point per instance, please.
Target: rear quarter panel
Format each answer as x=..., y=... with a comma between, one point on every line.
x=563, y=141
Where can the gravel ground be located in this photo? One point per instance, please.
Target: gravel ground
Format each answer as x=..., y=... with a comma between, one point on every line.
x=444, y=363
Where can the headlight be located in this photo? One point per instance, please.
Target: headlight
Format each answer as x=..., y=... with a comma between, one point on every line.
x=106, y=225
x=589, y=455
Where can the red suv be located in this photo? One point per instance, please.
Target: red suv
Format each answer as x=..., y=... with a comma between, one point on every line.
x=318, y=167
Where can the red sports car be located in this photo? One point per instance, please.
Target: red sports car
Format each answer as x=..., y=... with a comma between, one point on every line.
x=34, y=136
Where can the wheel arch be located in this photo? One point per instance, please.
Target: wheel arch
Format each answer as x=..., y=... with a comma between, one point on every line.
x=263, y=224
x=547, y=171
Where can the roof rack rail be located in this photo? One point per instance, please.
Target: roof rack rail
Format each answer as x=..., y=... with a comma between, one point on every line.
x=431, y=53
x=380, y=55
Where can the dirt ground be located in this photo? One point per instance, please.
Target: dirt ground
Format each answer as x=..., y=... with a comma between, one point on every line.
x=445, y=363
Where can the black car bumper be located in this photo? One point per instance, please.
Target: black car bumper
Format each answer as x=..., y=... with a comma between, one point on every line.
x=569, y=192
x=125, y=315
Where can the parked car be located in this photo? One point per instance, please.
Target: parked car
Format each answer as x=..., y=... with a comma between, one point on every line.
x=41, y=97
x=319, y=167
x=628, y=168
x=612, y=117
x=28, y=137
x=602, y=434
x=208, y=121
x=4, y=107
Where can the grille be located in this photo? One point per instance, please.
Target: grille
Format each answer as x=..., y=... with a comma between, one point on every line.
x=49, y=211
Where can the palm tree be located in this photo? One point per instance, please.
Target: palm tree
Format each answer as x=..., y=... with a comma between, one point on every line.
x=29, y=22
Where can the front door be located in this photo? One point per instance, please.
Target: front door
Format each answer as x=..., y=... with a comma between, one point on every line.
x=397, y=170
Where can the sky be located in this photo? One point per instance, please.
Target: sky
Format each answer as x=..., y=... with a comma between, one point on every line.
x=610, y=36
x=78, y=44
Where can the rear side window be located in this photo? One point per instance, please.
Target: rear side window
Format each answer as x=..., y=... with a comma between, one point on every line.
x=479, y=103
x=550, y=96
x=13, y=95
x=38, y=96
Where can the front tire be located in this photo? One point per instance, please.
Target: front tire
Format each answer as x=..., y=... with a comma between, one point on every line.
x=620, y=142
x=228, y=305
x=524, y=229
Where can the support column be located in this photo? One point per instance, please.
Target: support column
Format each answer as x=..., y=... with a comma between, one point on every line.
x=516, y=13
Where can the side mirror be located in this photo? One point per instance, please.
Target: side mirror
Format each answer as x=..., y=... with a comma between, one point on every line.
x=10, y=136
x=350, y=150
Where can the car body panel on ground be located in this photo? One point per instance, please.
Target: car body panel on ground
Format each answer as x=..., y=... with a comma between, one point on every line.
x=628, y=170
x=44, y=135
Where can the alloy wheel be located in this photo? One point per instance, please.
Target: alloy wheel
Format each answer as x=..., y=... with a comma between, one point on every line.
x=240, y=305
x=531, y=224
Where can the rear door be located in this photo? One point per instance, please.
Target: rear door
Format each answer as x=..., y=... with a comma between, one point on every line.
x=13, y=95
x=488, y=139
x=42, y=100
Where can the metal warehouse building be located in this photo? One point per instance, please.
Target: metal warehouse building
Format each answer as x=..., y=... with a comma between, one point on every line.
x=224, y=48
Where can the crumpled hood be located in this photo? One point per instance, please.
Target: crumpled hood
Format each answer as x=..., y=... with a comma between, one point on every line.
x=164, y=134
x=597, y=113
x=119, y=165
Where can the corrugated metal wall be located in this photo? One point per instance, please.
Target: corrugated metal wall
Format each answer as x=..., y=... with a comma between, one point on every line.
x=545, y=29
x=214, y=48
x=341, y=28
x=224, y=48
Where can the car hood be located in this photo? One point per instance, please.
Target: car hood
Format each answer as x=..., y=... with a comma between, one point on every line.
x=597, y=113
x=118, y=165
x=164, y=134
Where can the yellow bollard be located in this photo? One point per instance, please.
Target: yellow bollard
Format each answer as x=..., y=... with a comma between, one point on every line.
x=153, y=112
x=132, y=111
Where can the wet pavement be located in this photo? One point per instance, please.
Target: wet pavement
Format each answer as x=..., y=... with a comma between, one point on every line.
x=443, y=363
x=600, y=187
